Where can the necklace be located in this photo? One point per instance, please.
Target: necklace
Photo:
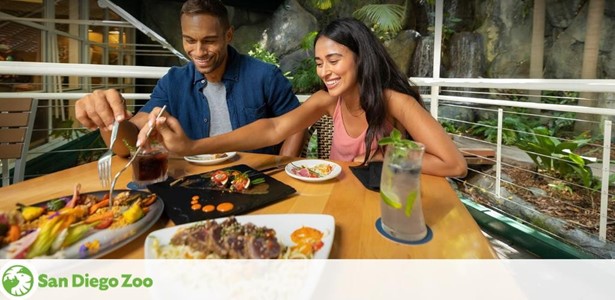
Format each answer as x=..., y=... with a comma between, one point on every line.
x=355, y=115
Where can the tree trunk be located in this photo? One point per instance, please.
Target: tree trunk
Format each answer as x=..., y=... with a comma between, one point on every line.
x=538, y=46
x=595, y=13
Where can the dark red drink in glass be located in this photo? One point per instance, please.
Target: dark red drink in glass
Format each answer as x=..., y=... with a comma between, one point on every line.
x=150, y=166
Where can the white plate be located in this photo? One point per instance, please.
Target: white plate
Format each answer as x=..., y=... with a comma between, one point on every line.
x=208, y=159
x=310, y=163
x=283, y=224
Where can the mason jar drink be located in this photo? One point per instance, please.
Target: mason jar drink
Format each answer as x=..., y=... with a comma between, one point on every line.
x=150, y=166
x=400, y=191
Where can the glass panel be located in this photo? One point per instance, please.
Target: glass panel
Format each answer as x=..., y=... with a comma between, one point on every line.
x=19, y=43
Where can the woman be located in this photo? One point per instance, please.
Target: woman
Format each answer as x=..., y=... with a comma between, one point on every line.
x=366, y=95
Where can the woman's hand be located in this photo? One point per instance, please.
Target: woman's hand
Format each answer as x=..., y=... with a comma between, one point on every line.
x=168, y=131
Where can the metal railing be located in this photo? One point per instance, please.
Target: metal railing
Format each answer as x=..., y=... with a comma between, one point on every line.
x=487, y=97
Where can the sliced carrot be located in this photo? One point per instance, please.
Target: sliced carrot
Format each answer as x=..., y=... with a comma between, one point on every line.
x=104, y=223
x=149, y=200
x=13, y=234
x=97, y=217
x=98, y=205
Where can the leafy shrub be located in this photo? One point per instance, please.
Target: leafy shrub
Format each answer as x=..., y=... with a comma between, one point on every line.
x=511, y=126
x=257, y=51
x=558, y=158
x=304, y=78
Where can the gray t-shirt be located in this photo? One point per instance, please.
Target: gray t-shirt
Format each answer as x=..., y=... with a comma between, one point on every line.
x=220, y=122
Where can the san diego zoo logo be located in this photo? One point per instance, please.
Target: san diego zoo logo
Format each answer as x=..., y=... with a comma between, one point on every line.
x=17, y=281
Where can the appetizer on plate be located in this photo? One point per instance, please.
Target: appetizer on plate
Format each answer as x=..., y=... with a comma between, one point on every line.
x=313, y=170
x=317, y=171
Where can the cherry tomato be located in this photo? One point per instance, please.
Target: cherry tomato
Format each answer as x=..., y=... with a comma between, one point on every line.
x=219, y=177
x=241, y=183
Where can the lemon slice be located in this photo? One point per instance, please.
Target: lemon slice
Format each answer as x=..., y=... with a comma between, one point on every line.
x=390, y=200
x=410, y=203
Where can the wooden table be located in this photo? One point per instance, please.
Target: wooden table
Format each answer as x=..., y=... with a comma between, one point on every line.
x=355, y=208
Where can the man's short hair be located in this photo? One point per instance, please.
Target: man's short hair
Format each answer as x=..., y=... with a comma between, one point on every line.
x=209, y=7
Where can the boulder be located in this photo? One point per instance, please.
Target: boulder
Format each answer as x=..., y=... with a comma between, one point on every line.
x=402, y=47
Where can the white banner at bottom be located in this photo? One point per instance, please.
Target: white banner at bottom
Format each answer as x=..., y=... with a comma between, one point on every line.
x=307, y=279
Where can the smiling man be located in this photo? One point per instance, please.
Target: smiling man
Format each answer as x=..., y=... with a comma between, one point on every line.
x=218, y=91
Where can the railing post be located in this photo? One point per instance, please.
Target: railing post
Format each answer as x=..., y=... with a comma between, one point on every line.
x=498, y=154
x=606, y=170
x=437, y=53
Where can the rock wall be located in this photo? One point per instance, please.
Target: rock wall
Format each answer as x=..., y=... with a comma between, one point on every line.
x=492, y=36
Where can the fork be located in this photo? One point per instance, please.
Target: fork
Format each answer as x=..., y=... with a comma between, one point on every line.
x=132, y=158
x=104, y=162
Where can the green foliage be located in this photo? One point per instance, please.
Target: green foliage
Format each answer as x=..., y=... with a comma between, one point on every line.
x=562, y=121
x=308, y=40
x=510, y=127
x=558, y=158
x=63, y=129
x=386, y=20
x=257, y=51
x=450, y=127
x=304, y=78
x=397, y=141
x=560, y=187
x=323, y=4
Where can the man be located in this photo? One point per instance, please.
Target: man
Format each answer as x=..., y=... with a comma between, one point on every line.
x=218, y=91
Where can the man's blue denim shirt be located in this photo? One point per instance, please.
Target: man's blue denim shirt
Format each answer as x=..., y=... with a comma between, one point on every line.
x=254, y=90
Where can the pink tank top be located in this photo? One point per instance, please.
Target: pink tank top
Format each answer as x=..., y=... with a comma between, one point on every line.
x=345, y=147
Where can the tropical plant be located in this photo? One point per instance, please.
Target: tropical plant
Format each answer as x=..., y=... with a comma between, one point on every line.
x=558, y=158
x=304, y=77
x=257, y=51
x=512, y=128
x=386, y=20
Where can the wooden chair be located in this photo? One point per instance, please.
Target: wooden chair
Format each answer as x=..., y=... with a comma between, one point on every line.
x=16, y=124
x=323, y=128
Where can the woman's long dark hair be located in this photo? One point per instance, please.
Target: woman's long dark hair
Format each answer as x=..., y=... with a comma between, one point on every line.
x=376, y=71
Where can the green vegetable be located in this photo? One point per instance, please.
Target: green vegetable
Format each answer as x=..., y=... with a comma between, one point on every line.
x=48, y=233
x=56, y=204
x=76, y=233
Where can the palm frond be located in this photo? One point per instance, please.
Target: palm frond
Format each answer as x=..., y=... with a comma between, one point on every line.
x=387, y=16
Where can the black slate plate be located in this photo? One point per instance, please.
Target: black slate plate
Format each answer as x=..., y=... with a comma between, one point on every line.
x=177, y=198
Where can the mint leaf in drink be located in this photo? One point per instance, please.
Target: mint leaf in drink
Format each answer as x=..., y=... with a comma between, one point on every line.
x=396, y=140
